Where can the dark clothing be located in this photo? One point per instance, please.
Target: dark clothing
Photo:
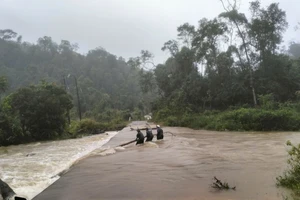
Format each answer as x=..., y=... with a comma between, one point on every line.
x=5, y=190
x=140, y=138
x=149, y=136
x=160, y=134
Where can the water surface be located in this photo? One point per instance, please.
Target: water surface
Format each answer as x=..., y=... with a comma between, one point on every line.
x=180, y=167
x=31, y=168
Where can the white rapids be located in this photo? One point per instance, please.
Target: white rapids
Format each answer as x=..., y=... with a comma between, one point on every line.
x=31, y=168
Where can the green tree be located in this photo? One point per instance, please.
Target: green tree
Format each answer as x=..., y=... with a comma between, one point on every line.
x=240, y=22
x=7, y=34
x=3, y=84
x=41, y=110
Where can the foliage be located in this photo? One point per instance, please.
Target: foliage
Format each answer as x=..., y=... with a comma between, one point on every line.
x=227, y=61
x=10, y=128
x=291, y=178
x=90, y=126
x=39, y=112
x=3, y=84
x=267, y=102
x=108, y=87
x=30, y=110
x=242, y=119
x=34, y=113
x=105, y=81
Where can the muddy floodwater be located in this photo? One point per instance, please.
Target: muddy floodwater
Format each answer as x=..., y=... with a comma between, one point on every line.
x=180, y=167
x=31, y=168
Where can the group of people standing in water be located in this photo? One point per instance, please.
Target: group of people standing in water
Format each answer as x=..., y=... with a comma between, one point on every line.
x=149, y=135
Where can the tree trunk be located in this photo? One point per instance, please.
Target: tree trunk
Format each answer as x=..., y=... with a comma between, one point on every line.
x=127, y=143
x=248, y=64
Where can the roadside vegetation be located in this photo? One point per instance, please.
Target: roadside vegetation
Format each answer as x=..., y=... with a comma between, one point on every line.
x=269, y=116
x=40, y=112
x=291, y=177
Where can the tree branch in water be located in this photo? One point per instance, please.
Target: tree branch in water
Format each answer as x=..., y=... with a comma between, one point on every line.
x=218, y=184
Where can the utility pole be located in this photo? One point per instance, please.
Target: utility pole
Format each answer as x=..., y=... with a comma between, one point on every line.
x=68, y=112
x=78, y=100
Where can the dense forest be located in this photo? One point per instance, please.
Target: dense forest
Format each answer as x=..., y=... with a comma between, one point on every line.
x=227, y=73
x=231, y=72
x=105, y=82
x=232, y=69
x=45, y=85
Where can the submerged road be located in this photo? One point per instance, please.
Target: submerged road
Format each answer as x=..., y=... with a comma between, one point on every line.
x=180, y=167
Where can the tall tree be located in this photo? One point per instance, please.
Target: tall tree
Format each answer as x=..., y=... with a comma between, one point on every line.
x=3, y=84
x=240, y=22
x=7, y=34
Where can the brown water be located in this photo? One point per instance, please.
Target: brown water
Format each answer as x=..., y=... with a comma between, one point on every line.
x=180, y=167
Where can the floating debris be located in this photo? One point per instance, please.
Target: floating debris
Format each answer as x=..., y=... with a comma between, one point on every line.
x=218, y=184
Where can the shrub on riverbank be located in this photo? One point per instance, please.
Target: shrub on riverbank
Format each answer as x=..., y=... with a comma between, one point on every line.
x=243, y=119
x=34, y=113
x=90, y=126
x=39, y=112
x=291, y=178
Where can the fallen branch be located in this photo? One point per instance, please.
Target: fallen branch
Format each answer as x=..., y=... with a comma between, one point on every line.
x=127, y=143
x=218, y=184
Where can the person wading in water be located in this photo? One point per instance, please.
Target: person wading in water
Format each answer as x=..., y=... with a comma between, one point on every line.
x=160, y=133
x=139, y=137
x=149, y=135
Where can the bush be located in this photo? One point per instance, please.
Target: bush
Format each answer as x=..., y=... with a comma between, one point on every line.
x=243, y=119
x=267, y=101
x=172, y=121
x=10, y=129
x=291, y=178
x=41, y=110
x=90, y=126
x=34, y=113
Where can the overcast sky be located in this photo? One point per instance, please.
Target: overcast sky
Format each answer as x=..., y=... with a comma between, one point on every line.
x=122, y=27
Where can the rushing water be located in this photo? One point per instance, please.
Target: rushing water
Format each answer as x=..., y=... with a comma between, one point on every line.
x=31, y=168
x=180, y=167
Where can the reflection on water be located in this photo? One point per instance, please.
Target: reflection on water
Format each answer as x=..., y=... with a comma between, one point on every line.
x=180, y=167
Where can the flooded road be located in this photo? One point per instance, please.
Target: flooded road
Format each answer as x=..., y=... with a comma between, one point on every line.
x=180, y=167
x=31, y=168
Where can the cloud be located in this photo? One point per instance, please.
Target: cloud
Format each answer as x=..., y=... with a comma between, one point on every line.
x=123, y=27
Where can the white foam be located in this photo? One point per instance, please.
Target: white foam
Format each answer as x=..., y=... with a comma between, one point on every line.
x=119, y=148
x=28, y=176
x=107, y=152
x=150, y=145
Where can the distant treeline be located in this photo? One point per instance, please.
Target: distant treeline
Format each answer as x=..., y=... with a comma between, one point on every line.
x=227, y=63
x=106, y=83
x=39, y=97
x=224, y=64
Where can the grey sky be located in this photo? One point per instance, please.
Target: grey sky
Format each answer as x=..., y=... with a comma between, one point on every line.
x=122, y=27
